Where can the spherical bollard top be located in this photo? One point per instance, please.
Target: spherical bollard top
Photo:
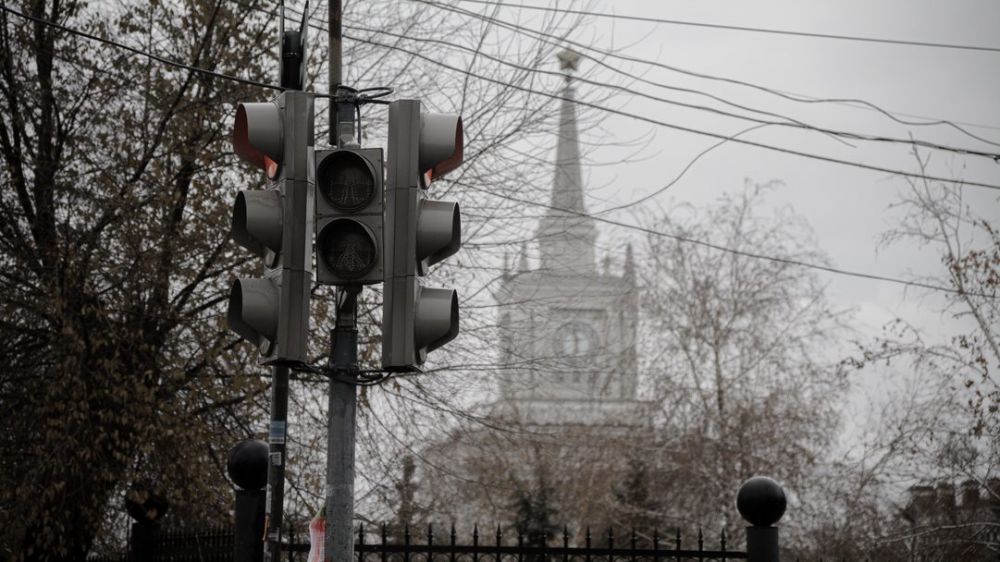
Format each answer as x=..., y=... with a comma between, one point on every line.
x=247, y=464
x=761, y=501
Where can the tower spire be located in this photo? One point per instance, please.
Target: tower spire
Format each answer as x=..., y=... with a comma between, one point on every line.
x=566, y=236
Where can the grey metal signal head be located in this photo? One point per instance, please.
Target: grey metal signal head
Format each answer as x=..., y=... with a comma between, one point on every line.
x=349, y=216
x=253, y=311
x=257, y=223
x=435, y=320
x=418, y=233
x=441, y=143
x=257, y=135
x=439, y=232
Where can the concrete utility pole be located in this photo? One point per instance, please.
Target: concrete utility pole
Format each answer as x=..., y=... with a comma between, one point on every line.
x=338, y=544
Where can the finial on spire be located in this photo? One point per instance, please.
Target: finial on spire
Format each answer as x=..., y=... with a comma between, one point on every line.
x=569, y=60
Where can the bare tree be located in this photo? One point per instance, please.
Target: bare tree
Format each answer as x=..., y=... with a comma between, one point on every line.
x=936, y=430
x=736, y=354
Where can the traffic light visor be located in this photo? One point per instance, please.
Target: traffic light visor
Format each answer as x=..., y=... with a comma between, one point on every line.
x=441, y=143
x=253, y=310
x=436, y=321
x=257, y=221
x=257, y=135
x=439, y=232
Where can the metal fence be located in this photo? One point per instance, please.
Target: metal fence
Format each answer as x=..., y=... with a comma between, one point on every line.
x=760, y=501
x=520, y=548
x=216, y=545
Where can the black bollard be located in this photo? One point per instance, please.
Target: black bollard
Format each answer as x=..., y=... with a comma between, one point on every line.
x=247, y=468
x=761, y=501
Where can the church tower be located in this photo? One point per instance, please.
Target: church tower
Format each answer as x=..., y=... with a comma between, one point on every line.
x=568, y=331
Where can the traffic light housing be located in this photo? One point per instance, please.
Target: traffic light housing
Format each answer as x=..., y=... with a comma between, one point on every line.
x=275, y=223
x=419, y=232
x=349, y=207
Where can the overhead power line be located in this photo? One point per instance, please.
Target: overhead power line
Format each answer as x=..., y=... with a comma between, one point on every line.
x=679, y=238
x=789, y=122
x=738, y=27
x=792, y=96
x=521, y=88
x=734, y=251
x=669, y=125
x=795, y=97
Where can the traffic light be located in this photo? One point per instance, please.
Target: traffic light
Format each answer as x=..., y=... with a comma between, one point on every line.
x=275, y=223
x=419, y=232
x=349, y=205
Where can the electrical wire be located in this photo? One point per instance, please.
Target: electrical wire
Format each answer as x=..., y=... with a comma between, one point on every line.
x=793, y=123
x=673, y=126
x=801, y=98
x=737, y=27
x=791, y=96
x=742, y=253
x=579, y=213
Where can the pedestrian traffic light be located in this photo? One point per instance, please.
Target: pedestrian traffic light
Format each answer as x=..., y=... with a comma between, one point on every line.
x=275, y=223
x=349, y=205
x=419, y=232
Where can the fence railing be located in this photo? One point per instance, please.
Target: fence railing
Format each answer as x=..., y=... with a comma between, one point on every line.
x=496, y=547
x=761, y=501
x=216, y=545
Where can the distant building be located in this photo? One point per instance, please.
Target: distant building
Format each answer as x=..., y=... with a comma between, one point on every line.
x=941, y=522
x=568, y=330
x=567, y=406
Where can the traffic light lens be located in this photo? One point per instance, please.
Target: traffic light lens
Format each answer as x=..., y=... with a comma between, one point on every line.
x=348, y=248
x=346, y=181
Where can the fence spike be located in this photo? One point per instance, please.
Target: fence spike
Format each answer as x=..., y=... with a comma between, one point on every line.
x=406, y=534
x=475, y=541
x=565, y=536
x=361, y=533
x=499, y=536
x=723, y=540
x=430, y=534
x=701, y=540
x=588, y=536
x=453, y=539
x=384, y=534
x=611, y=537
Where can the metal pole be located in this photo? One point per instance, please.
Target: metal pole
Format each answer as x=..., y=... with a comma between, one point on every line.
x=341, y=113
x=249, y=526
x=276, y=434
x=343, y=403
x=339, y=539
x=762, y=544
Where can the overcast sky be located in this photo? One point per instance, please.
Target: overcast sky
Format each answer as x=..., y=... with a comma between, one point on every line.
x=847, y=207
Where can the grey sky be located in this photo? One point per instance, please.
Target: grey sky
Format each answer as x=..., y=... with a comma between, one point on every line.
x=846, y=206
